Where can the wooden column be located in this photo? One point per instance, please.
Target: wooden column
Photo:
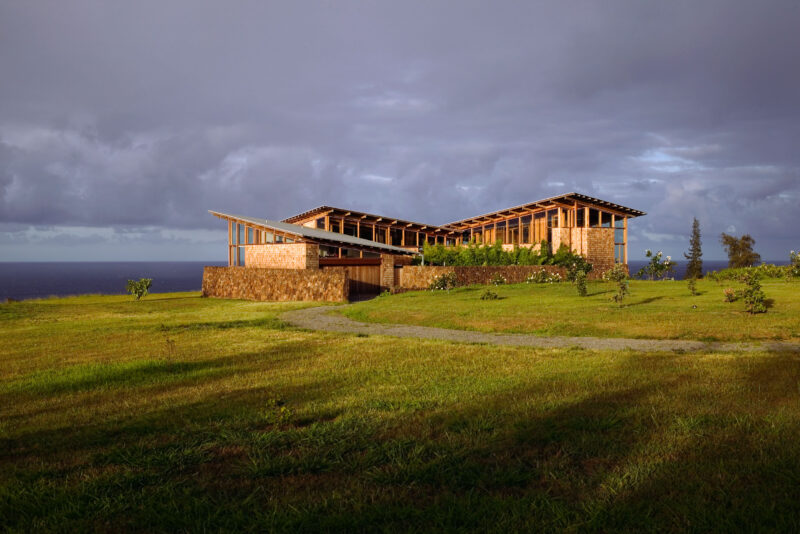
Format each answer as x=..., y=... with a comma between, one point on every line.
x=586, y=217
x=625, y=237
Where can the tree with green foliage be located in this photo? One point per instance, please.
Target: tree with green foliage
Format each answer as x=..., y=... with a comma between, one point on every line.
x=740, y=250
x=656, y=269
x=754, y=297
x=694, y=269
x=139, y=289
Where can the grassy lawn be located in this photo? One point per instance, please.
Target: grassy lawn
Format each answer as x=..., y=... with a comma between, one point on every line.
x=653, y=310
x=185, y=414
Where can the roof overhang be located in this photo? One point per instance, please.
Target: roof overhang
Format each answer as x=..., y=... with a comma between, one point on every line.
x=315, y=235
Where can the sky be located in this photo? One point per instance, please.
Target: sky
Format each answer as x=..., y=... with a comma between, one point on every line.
x=122, y=123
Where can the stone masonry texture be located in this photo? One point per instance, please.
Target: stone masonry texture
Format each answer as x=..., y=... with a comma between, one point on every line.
x=420, y=277
x=249, y=283
x=282, y=256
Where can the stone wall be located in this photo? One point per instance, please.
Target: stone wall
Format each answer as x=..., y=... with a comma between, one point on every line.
x=253, y=283
x=420, y=277
x=282, y=256
x=600, y=249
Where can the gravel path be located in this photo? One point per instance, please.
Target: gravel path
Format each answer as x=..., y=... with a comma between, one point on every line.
x=324, y=318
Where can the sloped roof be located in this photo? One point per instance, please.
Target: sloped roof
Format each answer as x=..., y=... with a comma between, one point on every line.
x=314, y=234
x=366, y=217
x=566, y=197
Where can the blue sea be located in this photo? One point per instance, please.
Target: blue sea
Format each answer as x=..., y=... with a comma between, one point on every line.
x=42, y=279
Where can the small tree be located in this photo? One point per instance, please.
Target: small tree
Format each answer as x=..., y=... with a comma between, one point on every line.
x=693, y=286
x=139, y=289
x=694, y=269
x=580, y=283
x=740, y=250
x=619, y=277
x=657, y=268
x=754, y=297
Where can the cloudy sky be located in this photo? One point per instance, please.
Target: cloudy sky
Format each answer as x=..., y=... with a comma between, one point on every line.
x=121, y=123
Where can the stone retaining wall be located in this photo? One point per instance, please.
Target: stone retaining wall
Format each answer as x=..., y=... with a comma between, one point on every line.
x=249, y=283
x=420, y=277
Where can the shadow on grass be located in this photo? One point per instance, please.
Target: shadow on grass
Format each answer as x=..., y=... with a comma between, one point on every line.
x=643, y=301
x=655, y=449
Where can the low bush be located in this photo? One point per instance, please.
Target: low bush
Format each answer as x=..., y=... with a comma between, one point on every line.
x=139, y=288
x=765, y=270
x=543, y=277
x=731, y=295
x=794, y=267
x=489, y=295
x=446, y=282
x=498, y=280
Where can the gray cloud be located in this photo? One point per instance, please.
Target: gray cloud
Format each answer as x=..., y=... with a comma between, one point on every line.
x=147, y=114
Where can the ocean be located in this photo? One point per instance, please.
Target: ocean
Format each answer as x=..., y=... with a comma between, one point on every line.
x=44, y=279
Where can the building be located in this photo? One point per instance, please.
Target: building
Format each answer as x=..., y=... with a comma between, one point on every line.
x=371, y=247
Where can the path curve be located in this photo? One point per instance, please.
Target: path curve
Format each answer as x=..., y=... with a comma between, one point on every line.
x=322, y=318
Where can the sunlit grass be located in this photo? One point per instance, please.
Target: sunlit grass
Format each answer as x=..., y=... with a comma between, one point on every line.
x=189, y=414
x=653, y=310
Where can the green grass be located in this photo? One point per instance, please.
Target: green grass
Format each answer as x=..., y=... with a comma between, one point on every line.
x=185, y=414
x=653, y=310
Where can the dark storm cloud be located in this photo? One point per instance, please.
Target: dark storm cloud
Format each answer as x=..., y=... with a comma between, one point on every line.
x=147, y=114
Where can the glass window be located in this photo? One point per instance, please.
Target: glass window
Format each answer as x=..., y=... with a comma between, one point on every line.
x=580, y=220
x=371, y=255
x=289, y=240
x=450, y=242
x=411, y=238
x=250, y=239
x=366, y=232
x=327, y=252
x=240, y=251
x=501, y=232
x=279, y=239
x=619, y=253
x=594, y=218
x=619, y=222
x=350, y=253
x=380, y=234
x=396, y=235
x=606, y=223
x=335, y=225
x=239, y=233
x=349, y=229
x=321, y=223
x=619, y=235
x=440, y=240
x=552, y=218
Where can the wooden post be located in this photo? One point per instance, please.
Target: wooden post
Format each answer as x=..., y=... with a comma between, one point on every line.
x=586, y=217
x=327, y=223
x=625, y=237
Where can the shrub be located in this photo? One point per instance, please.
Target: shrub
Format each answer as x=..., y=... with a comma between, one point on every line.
x=692, y=286
x=543, y=277
x=580, y=283
x=731, y=295
x=498, y=280
x=794, y=267
x=139, y=289
x=657, y=269
x=765, y=270
x=446, y=282
x=475, y=254
x=489, y=295
x=619, y=277
x=754, y=297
